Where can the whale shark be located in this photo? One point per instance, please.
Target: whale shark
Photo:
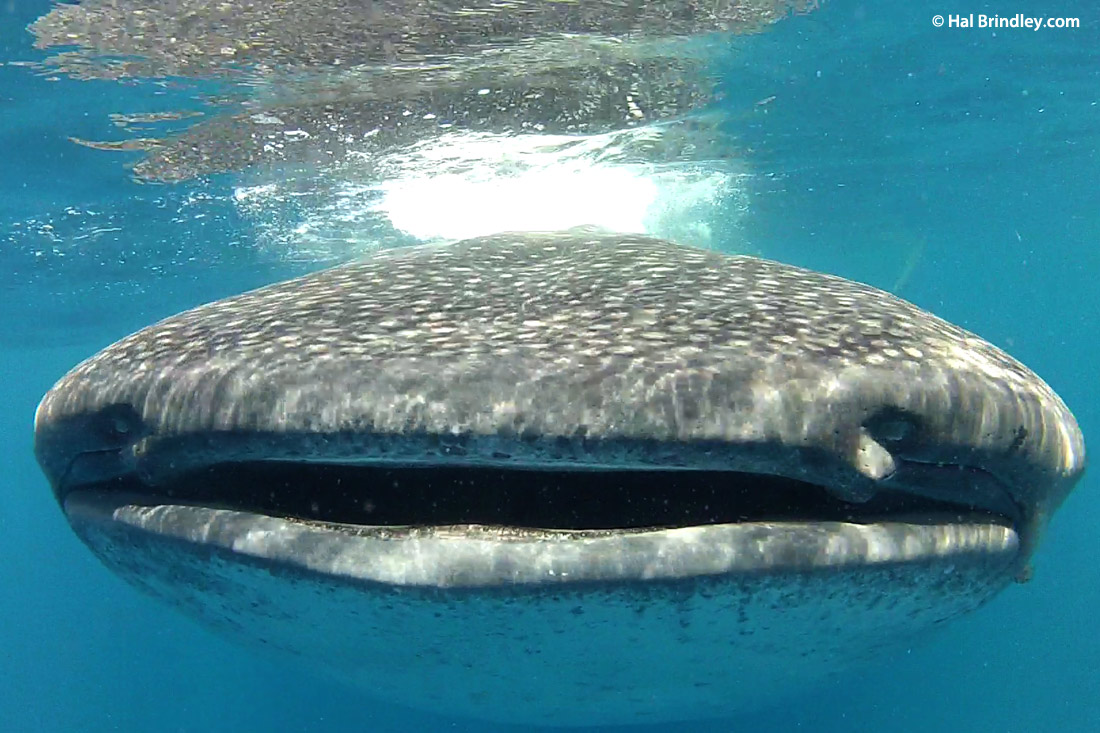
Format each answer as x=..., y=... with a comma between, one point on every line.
x=562, y=478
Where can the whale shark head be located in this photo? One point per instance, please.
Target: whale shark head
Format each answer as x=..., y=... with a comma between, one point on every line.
x=568, y=477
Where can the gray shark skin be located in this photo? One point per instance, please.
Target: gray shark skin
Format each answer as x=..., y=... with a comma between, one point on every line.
x=562, y=478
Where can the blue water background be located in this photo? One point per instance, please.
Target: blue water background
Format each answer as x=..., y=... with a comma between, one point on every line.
x=969, y=153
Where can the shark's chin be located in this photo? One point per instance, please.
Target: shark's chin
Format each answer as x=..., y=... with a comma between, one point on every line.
x=555, y=626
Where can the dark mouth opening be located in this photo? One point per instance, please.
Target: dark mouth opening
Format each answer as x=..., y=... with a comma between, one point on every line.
x=532, y=498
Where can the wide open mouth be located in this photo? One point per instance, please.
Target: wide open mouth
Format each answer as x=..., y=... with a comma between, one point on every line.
x=487, y=526
x=536, y=499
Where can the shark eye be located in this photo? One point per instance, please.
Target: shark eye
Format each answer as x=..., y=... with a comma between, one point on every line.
x=119, y=423
x=892, y=425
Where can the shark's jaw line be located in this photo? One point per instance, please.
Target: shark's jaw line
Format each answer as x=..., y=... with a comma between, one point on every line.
x=484, y=526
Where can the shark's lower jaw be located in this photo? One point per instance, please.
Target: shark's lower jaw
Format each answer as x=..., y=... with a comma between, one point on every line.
x=548, y=596
x=484, y=526
x=558, y=626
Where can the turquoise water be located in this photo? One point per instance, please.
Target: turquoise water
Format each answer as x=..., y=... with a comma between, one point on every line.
x=958, y=167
